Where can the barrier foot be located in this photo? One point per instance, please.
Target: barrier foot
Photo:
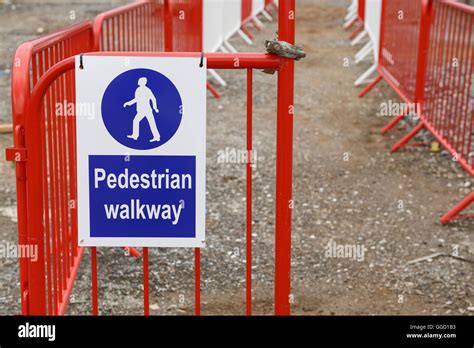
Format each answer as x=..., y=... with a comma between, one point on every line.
x=370, y=86
x=393, y=122
x=223, y=49
x=364, y=52
x=267, y=16
x=350, y=23
x=351, y=13
x=454, y=214
x=255, y=24
x=132, y=252
x=359, y=38
x=244, y=37
x=213, y=90
x=229, y=46
x=357, y=31
x=217, y=77
x=408, y=137
x=247, y=32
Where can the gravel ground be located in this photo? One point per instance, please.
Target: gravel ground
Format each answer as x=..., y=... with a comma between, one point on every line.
x=347, y=189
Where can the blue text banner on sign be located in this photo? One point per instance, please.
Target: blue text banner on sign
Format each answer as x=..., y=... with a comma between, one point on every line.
x=142, y=196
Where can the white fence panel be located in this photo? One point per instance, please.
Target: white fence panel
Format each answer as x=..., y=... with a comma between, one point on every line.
x=257, y=6
x=231, y=15
x=373, y=16
x=213, y=25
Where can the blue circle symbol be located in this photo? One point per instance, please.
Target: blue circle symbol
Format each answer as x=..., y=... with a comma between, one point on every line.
x=142, y=109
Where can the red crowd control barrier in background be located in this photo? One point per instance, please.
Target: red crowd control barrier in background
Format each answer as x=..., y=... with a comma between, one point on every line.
x=45, y=285
x=399, y=42
x=45, y=143
x=246, y=10
x=361, y=10
x=448, y=90
x=360, y=17
x=187, y=25
x=135, y=27
x=427, y=58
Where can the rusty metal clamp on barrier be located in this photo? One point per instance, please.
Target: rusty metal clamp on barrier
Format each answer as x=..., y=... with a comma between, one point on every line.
x=284, y=49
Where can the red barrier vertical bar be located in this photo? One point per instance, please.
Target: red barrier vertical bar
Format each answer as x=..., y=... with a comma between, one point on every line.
x=37, y=278
x=448, y=75
x=461, y=90
x=95, y=290
x=55, y=179
x=470, y=48
x=20, y=172
x=423, y=45
x=45, y=196
x=442, y=51
x=249, y=194
x=146, y=292
x=284, y=163
x=168, y=20
x=62, y=171
x=52, y=174
x=197, y=281
x=434, y=61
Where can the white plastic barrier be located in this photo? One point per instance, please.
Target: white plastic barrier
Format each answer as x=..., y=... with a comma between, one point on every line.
x=351, y=13
x=232, y=11
x=213, y=31
x=373, y=16
x=213, y=25
x=232, y=17
x=257, y=6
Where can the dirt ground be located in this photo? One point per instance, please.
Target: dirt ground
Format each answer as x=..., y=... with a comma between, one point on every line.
x=348, y=189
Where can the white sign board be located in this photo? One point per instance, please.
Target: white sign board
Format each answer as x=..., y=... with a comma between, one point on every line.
x=141, y=151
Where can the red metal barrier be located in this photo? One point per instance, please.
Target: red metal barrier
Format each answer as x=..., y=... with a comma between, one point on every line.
x=134, y=27
x=45, y=285
x=360, y=17
x=46, y=164
x=448, y=90
x=361, y=10
x=246, y=17
x=246, y=10
x=427, y=59
x=399, y=46
x=35, y=135
x=447, y=109
x=187, y=25
x=152, y=26
x=399, y=43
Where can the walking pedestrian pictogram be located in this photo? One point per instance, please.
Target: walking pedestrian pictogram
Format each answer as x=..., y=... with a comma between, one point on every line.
x=142, y=109
x=143, y=97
